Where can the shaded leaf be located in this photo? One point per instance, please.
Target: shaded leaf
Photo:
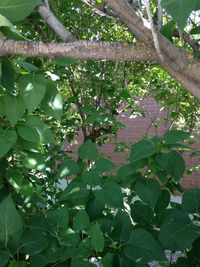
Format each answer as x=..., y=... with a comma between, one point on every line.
x=142, y=149
x=10, y=220
x=33, y=88
x=14, y=108
x=52, y=102
x=143, y=248
x=7, y=140
x=173, y=163
x=81, y=220
x=97, y=238
x=178, y=232
x=191, y=200
x=88, y=151
x=17, y=10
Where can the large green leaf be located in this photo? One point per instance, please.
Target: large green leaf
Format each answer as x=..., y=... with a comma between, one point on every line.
x=16, y=10
x=94, y=209
x=148, y=190
x=67, y=168
x=58, y=219
x=7, y=75
x=14, y=108
x=110, y=194
x=178, y=231
x=28, y=133
x=65, y=61
x=34, y=242
x=70, y=238
x=191, y=200
x=174, y=136
x=7, y=140
x=104, y=165
x=97, y=238
x=179, y=10
x=81, y=220
x=74, y=191
x=141, y=213
x=33, y=160
x=173, y=163
x=33, y=88
x=52, y=102
x=38, y=260
x=43, y=130
x=88, y=151
x=91, y=178
x=9, y=30
x=143, y=248
x=10, y=220
x=4, y=258
x=142, y=149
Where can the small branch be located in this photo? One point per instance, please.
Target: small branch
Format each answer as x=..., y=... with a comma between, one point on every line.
x=153, y=30
x=83, y=50
x=160, y=15
x=99, y=10
x=55, y=25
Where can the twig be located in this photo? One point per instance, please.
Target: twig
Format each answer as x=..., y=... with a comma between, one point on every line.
x=55, y=24
x=153, y=31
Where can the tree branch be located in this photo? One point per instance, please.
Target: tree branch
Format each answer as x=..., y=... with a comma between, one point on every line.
x=54, y=23
x=83, y=50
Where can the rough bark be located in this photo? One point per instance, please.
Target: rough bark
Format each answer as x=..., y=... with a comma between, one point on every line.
x=80, y=50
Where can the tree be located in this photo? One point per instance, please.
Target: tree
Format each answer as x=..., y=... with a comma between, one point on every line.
x=151, y=43
x=97, y=214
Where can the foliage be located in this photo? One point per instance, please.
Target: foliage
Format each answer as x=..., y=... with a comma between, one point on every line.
x=119, y=215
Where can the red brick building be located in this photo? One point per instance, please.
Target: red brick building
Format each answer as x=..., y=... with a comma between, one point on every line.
x=135, y=130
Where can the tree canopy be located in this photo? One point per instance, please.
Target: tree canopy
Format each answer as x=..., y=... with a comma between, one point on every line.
x=166, y=32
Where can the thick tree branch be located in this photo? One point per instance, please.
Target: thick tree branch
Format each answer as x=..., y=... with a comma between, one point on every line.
x=54, y=23
x=83, y=50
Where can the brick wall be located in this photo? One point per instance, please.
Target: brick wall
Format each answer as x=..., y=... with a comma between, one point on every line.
x=135, y=130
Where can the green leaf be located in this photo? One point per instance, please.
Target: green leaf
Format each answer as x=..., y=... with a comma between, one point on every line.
x=10, y=221
x=143, y=248
x=179, y=10
x=27, y=66
x=173, y=163
x=38, y=260
x=58, y=219
x=104, y=165
x=52, y=102
x=142, y=149
x=81, y=221
x=33, y=88
x=4, y=258
x=97, y=238
x=148, y=190
x=14, y=108
x=28, y=133
x=191, y=200
x=7, y=75
x=174, y=136
x=17, y=10
x=34, y=242
x=94, y=209
x=70, y=238
x=9, y=30
x=67, y=168
x=33, y=161
x=17, y=264
x=141, y=213
x=7, y=140
x=74, y=191
x=65, y=61
x=43, y=130
x=91, y=178
x=163, y=200
x=110, y=194
x=88, y=151
x=178, y=232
